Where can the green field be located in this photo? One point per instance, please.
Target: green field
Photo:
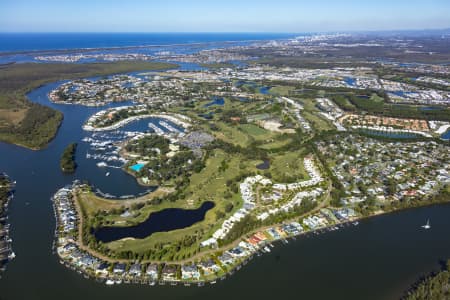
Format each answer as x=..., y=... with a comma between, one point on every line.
x=288, y=167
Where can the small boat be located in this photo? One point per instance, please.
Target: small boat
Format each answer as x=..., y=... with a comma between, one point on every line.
x=107, y=174
x=267, y=249
x=11, y=256
x=109, y=282
x=427, y=226
x=101, y=164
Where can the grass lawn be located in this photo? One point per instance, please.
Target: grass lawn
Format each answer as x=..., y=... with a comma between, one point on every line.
x=281, y=90
x=288, y=167
x=231, y=134
x=92, y=203
x=277, y=143
x=255, y=131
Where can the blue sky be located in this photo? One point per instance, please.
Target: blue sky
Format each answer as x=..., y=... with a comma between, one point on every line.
x=221, y=16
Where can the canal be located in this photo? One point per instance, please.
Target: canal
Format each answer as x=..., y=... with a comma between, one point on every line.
x=378, y=259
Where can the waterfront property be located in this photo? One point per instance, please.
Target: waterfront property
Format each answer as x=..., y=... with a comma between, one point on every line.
x=6, y=253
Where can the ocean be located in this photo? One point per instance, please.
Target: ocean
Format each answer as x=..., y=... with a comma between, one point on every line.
x=16, y=42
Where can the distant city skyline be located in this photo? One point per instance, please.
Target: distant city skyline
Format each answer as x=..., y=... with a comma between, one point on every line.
x=224, y=16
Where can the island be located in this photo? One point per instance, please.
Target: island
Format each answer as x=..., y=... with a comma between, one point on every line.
x=67, y=161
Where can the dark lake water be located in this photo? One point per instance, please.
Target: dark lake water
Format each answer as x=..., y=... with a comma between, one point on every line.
x=430, y=108
x=378, y=259
x=264, y=165
x=350, y=80
x=265, y=90
x=215, y=101
x=164, y=220
x=392, y=135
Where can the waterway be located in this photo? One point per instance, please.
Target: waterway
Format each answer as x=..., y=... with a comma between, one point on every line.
x=378, y=259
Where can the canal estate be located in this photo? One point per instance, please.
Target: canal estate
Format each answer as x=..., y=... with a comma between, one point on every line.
x=206, y=175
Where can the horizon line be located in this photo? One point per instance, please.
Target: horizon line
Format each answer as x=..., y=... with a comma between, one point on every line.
x=230, y=32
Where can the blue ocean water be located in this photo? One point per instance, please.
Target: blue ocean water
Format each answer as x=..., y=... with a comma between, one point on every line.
x=55, y=41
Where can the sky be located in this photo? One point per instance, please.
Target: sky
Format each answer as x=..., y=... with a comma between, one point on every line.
x=221, y=16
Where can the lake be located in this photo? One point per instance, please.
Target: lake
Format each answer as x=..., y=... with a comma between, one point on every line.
x=391, y=135
x=156, y=222
x=215, y=101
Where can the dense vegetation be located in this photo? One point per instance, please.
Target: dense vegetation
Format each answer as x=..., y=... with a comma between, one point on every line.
x=149, y=145
x=436, y=287
x=67, y=162
x=352, y=102
x=33, y=125
x=247, y=224
x=163, y=168
x=178, y=166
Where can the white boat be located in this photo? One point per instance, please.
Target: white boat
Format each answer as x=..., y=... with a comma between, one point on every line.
x=107, y=174
x=101, y=164
x=11, y=256
x=267, y=249
x=109, y=282
x=427, y=226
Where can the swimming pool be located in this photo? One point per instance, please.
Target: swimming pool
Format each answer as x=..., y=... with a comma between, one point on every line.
x=137, y=167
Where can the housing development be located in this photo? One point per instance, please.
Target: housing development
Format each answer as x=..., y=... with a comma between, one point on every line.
x=249, y=155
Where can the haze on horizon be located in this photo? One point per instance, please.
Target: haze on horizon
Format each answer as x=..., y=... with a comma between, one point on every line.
x=223, y=16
